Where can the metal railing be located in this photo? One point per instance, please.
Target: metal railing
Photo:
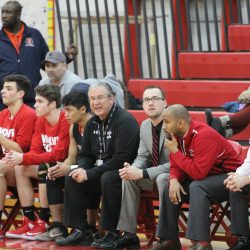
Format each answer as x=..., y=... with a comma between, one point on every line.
x=141, y=38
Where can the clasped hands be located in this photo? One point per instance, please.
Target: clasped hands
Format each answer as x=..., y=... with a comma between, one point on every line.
x=130, y=172
x=235, y=182
x=13, y=158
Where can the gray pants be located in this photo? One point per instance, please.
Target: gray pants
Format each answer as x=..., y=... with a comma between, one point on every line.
x=200, y=195
x=239, y=211
x=131, y=198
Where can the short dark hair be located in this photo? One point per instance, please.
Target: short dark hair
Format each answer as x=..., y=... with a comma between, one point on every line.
x=50, y=92
x=179, y=112
x=18, y=7
x=22, y=82
x=76, y=99
x=156, y=87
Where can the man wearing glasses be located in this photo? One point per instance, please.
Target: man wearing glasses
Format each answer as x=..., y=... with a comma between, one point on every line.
x=149, y=168
x=110, y=138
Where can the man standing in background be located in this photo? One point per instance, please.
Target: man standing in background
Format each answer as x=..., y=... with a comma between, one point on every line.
x=22, y=48
x=57, y=72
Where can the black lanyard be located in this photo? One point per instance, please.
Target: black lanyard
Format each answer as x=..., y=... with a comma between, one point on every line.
x=102, y=134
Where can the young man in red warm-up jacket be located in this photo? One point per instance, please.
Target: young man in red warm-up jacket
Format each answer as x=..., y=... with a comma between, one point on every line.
x=49, y=145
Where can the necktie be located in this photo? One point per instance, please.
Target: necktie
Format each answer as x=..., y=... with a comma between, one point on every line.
x=155, y=156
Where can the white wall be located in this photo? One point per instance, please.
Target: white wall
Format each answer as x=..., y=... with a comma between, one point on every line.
x=34, y=14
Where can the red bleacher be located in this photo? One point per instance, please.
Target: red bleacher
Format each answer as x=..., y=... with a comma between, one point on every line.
x=239, y=37
x=214, y=65
x=193, y=93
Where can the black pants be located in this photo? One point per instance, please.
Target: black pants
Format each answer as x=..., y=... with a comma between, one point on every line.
x=200, y=195
x=55, y=190
x=239, y=211
x=78, y=196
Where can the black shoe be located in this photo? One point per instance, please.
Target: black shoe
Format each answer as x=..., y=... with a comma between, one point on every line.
x=209, y=116
x=76, y=238
x=97, y=235
x=122, y=242
x=214, y=122
x=163, y=244
x=242, y=244
x=109, y=237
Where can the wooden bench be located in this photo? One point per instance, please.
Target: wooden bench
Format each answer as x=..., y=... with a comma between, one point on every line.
x=193, y=93
x=239, y=37
x=214, y=65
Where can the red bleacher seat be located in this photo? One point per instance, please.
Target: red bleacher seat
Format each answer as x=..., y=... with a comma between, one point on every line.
x=193, y=93
x=214, y=65
x=239, y=37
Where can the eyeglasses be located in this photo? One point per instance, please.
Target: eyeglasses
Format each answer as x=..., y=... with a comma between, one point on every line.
x=99, y=98
x=152, y=99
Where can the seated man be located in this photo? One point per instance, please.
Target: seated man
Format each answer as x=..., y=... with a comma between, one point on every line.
x=111, y=137
x=239, y=185
x=57, y=72
x=228, y=125
x=150, y=166
x=49, y=145
x=17, y=123
x=77, y=113
x=199, y=160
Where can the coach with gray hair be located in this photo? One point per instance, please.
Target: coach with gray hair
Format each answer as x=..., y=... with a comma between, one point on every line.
x=111, y=137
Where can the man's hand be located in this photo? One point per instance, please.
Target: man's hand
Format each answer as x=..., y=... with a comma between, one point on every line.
x=235, y=182
x=13, y=158
x=175, y=190
x=244, y=96
x=171, y=144
x=72, y=51
x=59, y=170
x=229, y=177
x=130, y=172
x=79, y=175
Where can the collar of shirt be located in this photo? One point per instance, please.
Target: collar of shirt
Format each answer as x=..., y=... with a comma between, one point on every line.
x=157, y=127
x=16, y=39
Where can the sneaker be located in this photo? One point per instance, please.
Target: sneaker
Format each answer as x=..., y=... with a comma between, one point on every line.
x=23, y=229
x=214, y=122
x=52, y=233
x=242, y=244
x=108, y=238
x=122, y=242
x=40, y=227
x=209, y=117
x=163, y=244
x=76, y=238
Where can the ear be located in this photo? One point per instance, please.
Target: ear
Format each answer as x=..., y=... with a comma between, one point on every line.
x=21, y=94
x=181, y=123
x=165, y=103
x=112, y=98
x=83, y=109
x=53, y=104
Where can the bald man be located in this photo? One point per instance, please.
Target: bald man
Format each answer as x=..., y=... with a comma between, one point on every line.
x=200, y=159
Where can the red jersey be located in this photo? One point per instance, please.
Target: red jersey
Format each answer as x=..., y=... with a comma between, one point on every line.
x=202, y=152
x=20, y=128
x=49, y=143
